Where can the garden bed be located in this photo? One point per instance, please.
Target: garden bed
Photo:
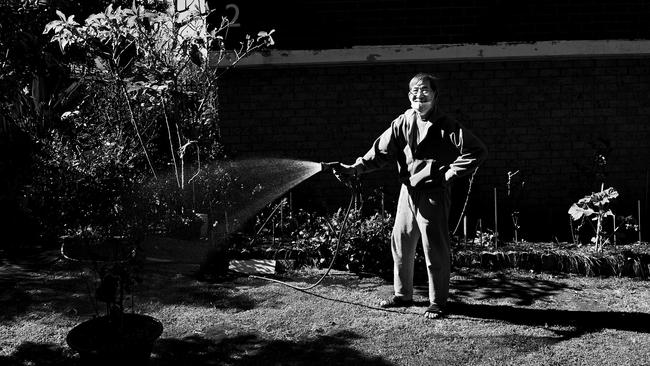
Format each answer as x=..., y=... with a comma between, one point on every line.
x=622, y=261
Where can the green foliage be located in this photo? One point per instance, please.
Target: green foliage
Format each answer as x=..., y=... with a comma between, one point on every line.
x=368, y=247
x=160, y=60
x=158, y=64
x=484, y=239
x=594, y=207
x=312, y=239
x=87, y=171
x=144, y=100
x=174, y=211
x=594, y=204
x=33, y=77
x=34, y=91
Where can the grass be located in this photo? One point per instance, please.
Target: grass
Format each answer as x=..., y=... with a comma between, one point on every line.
x=507, y=317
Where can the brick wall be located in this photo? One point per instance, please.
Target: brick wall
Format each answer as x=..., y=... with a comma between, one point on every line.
x=545, y=118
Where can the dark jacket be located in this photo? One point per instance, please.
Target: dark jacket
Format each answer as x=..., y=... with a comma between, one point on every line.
x=446, y=145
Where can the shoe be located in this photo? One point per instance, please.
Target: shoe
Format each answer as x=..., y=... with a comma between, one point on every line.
x=435, y=311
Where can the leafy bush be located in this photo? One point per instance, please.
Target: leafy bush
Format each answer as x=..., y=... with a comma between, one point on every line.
x=312, y=239
x=142, y=102
x=84, y=183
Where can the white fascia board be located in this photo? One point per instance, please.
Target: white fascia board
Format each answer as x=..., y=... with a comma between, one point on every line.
x=450, y=52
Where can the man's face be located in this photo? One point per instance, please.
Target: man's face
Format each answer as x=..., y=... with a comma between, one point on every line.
x=421, y=96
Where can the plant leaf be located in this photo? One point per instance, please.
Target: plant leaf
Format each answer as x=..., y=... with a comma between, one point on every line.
x=578, y=212
x=49, y=26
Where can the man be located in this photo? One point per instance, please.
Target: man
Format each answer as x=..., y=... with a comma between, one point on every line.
x=431, y=150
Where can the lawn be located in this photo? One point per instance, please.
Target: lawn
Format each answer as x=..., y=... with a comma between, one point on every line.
x=497, y=318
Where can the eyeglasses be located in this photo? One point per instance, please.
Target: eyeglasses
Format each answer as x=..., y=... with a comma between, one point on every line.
x=425, y=91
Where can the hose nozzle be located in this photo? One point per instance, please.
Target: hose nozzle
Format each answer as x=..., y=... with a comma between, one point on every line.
x=329, y=166
x=350, y=180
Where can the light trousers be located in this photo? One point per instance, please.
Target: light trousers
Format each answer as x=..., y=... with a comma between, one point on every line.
x=422, y=217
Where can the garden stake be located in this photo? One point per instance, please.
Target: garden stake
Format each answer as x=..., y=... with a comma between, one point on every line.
x=638, y=206
x=496, y=230
x=264, y=224
x=465, y=229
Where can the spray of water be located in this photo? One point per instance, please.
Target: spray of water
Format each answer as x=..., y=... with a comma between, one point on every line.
x=230, y=192
x=255, y=184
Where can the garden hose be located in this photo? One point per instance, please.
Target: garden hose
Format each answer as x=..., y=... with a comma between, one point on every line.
x=355, y=186
x=469, y=190
x=329, y=268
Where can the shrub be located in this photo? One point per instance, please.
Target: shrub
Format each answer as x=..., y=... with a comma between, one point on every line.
x=312, y=239
x=144, y=103
x=84, y=178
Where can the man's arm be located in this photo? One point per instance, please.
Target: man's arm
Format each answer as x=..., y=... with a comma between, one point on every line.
x=380, y=155
x=472, y=152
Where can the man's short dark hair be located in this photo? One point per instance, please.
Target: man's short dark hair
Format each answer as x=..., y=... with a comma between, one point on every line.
x=422, y=76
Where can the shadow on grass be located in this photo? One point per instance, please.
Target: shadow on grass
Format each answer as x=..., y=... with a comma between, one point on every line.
x=217, y=349
x=584, y=321
x=63, y=288
x=22, y=292
x=223, y=294
x=523, y=291
x=40, y=354
x=250, y=349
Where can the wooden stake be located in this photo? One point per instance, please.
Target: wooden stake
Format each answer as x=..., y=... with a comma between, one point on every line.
x=645, y=205
x=290, y=205
x=496, y=230
x=465, y=229
x=638, y=206
x=282, y=215
x=573, y=234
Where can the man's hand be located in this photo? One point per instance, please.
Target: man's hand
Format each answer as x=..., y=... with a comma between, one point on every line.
x=344, y=172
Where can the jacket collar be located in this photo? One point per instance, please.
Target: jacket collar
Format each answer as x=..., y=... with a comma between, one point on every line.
x=433, y=116
x=411, y=127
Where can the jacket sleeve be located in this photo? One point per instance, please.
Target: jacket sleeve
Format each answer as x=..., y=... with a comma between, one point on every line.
x=471, y=152
x=384, y=151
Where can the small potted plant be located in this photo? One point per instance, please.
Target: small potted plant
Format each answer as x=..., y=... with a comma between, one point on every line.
x=115, y=336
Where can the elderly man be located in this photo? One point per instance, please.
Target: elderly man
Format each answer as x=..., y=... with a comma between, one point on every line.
x=431, y=150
